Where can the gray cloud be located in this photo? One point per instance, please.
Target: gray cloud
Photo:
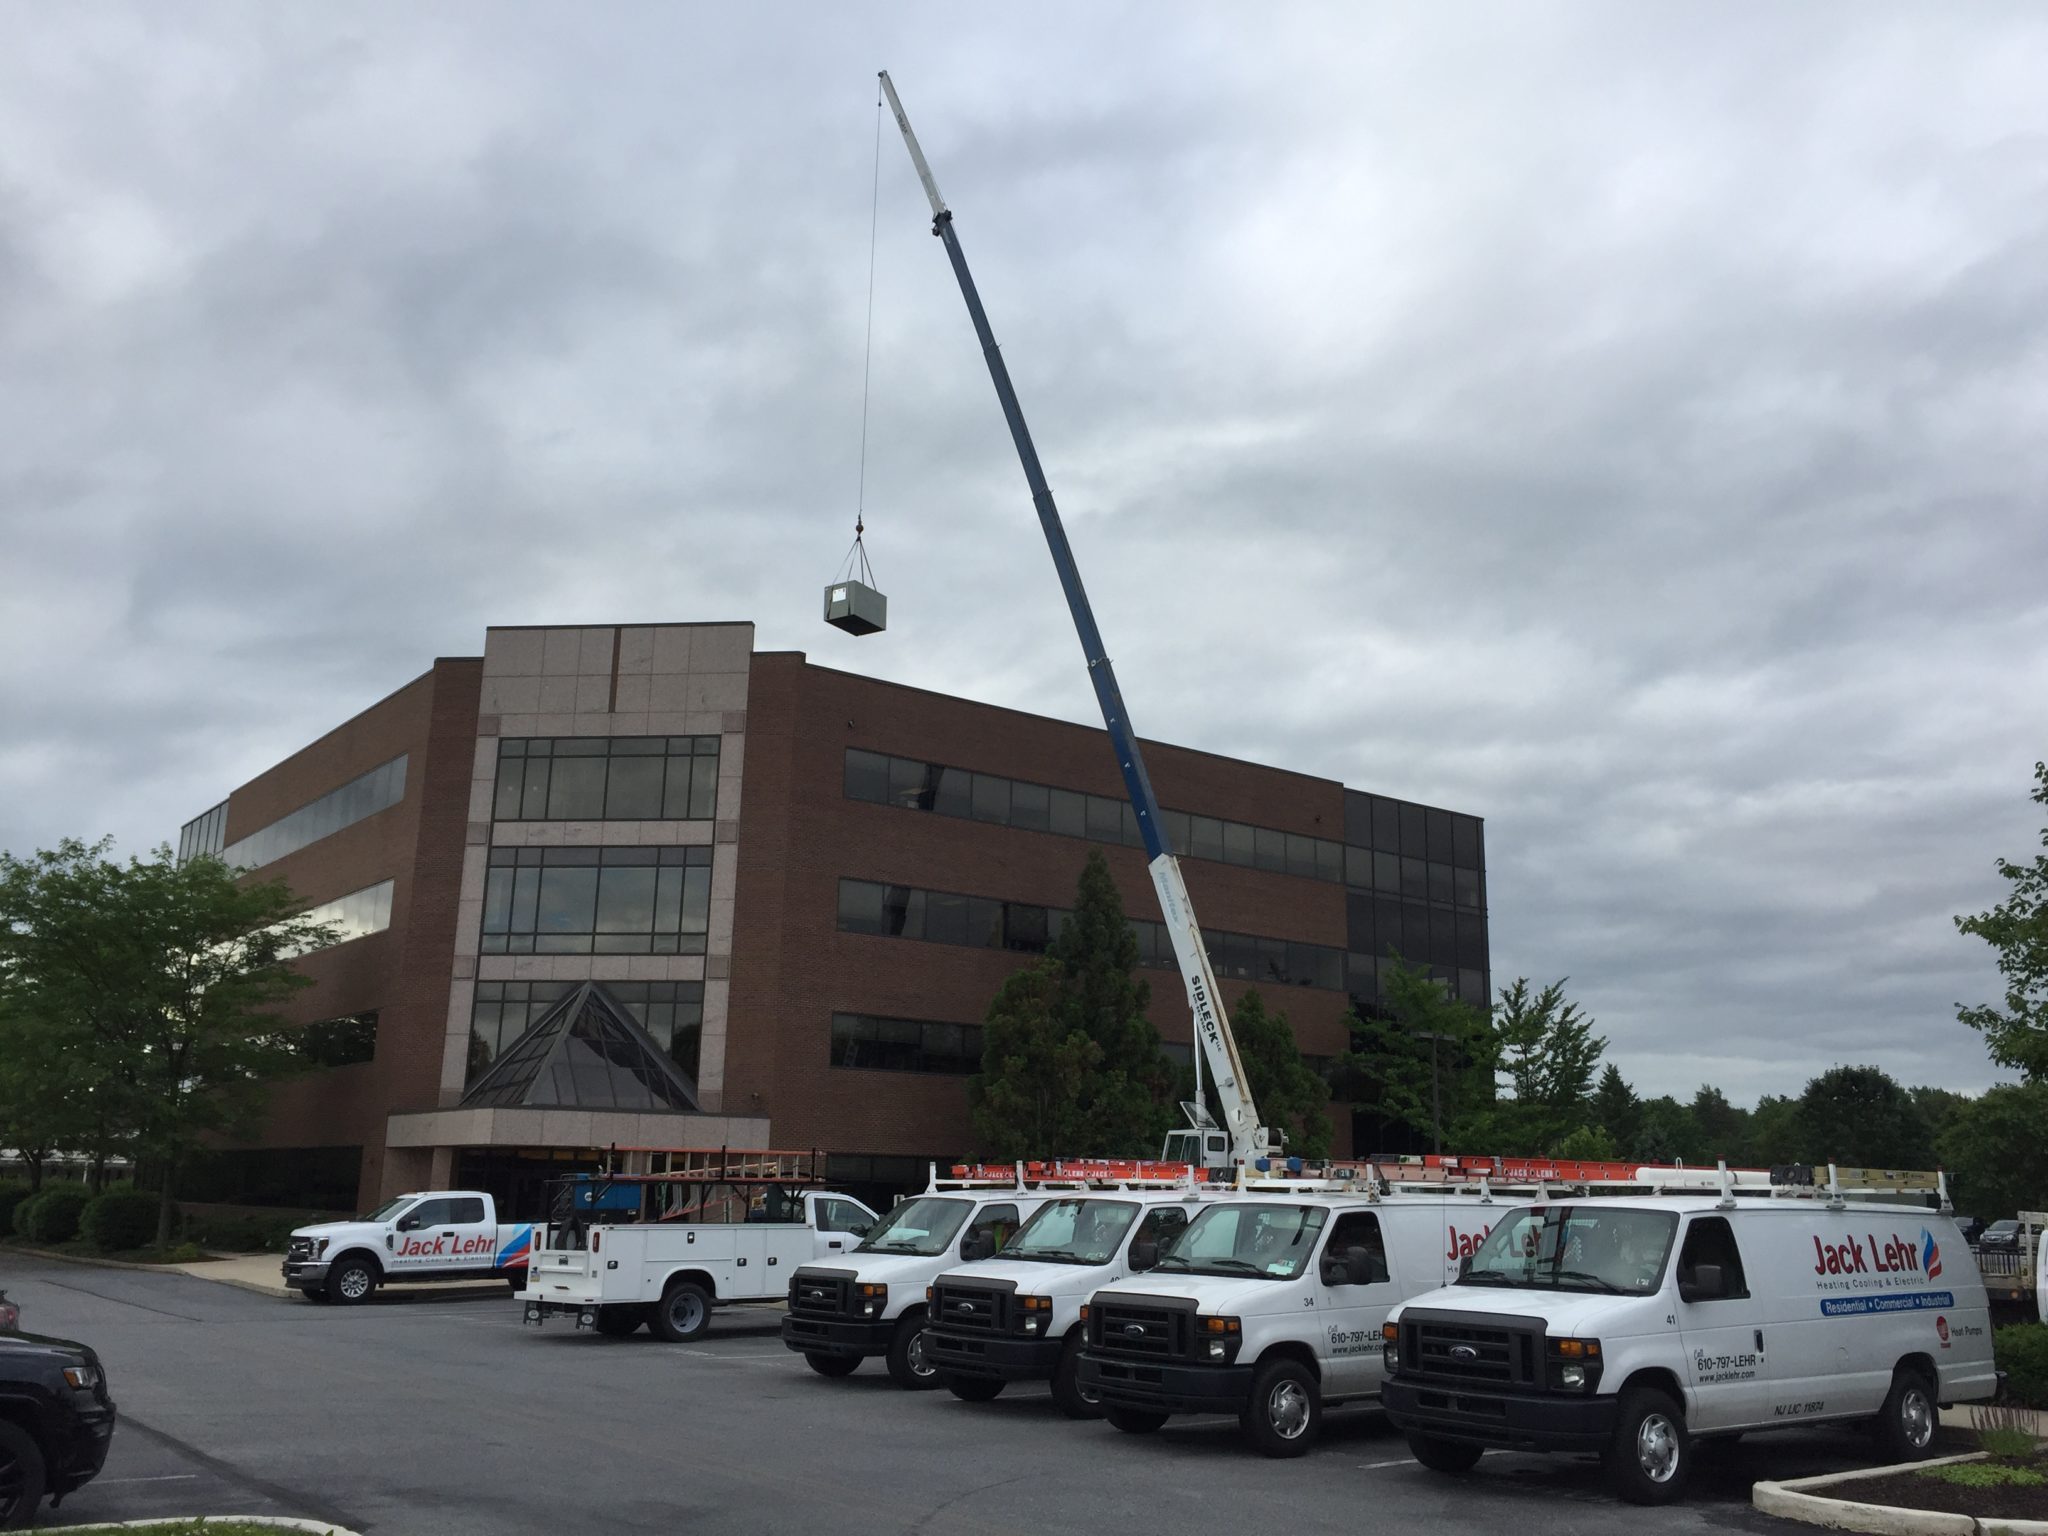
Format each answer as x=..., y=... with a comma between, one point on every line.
x=1623, y=424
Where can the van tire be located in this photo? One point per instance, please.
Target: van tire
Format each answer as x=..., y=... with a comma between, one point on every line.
x=831, y=1365
x=1452, y=1457
x=620, y=1322
x=1134, y=1421
x=976, y=1389
x=1067, y=1395
x=1651, y=1454
x=909, y=1366
x=515, y=1280
x=1284, y=1414
x=22, y=1474
x=1905, y=1425
x=683, y=1313
x=352, y=1280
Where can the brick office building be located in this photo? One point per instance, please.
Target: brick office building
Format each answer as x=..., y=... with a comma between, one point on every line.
x=645, y=885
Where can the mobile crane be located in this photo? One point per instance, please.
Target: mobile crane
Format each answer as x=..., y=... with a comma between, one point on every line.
x=1249, y=1140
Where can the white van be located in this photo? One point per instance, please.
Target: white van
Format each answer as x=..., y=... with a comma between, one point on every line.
x=1634, y=1326
x=1013, y=1317
x=873, y=1301
x=1270, y=1308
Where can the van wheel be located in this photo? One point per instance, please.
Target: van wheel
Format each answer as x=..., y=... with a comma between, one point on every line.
x=350, y=1282
x=516, y=1281
x=908, y=1364
x=976, y=1389
x=1651, y=1455
x=1134, y=1421
x=1452, y=1456
x=620, y=1322
x=21, y=1476
x=683, y=1313
x=832, y=1365
x=1068, y=1395
x=1285, y=1412
x=1906, y=1423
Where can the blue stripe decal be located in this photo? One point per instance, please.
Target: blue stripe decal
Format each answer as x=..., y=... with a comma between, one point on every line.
x=522, y=1240
x=1912, y=1301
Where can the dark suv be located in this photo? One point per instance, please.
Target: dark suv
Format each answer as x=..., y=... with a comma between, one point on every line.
x=56, y=1422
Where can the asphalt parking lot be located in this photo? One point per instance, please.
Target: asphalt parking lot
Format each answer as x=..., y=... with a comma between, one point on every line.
x=452, y=1419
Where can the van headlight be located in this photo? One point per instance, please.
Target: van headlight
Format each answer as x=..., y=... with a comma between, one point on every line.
x=1390, y=1350
x=874, y=1300
x=1034, y=1315
x=1574, y=1364
x=320, y=1247
x=1217, y=1339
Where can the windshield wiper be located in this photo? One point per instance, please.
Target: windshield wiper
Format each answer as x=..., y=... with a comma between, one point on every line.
x=1237, y=1264
x=1601, y=1281
x=1484, y=1277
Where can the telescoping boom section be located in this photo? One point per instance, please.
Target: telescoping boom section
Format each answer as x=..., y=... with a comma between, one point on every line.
x=1249, y=1139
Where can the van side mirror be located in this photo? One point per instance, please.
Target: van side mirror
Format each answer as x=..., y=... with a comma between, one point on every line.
x=1336, y=1272
x=1144, y=1253
x=978, y=1245
x=1708, y=1283
x=408, y=1223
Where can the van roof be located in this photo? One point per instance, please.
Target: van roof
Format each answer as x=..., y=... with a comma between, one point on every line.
x=1704, y=1201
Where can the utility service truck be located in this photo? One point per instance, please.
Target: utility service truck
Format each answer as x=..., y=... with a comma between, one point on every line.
x=441, y=1234
x=692, y=1230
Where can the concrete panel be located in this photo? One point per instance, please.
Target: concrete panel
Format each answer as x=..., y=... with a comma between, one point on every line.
x=634, y=689
x=569, y=967
x=565, y=1127
x=454, y=1067
x=485, y=764
x=733, y=721
x=483, y=796
x=469, y=915
x=725, y=871
x=477, y=834
x=594, y=694
x=720, y=937
x=556, y=723
x=672, y=723
x=716, y=691
x=519, y=725
x=631, y=722
x=464, y=966
x=562, y=652
x=732, y=754
x=704, y=722
x=595, y=652
x=558, y=694
x=529, y=967
x=721, y=648
x=668, y=693
x=636, y=650
x=497, y=967
x=671, y=648
x=512, y=652
x=509, y=695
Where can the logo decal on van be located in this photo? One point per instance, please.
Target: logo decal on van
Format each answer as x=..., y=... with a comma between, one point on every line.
x=1930, y=1254
x=1941, y=1330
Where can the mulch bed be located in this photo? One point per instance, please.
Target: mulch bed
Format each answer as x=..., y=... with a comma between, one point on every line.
x=1913, y=1490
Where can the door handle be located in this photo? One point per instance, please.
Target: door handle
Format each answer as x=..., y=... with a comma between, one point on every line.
x=833, y=1246
x=773, y=1260
x=1759, y=1341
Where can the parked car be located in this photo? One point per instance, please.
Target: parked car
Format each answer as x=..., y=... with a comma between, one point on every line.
x=56, y=1422
x=2000, y=1237
x=1972, y=1228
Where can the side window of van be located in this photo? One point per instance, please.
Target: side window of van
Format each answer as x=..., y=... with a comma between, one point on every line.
x=996, y=1221
x=1356, y=1240
x=1162, y=1224
x=1710, y=1240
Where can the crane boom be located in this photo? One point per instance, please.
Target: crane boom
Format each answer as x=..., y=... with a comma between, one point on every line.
x=1248, y=1138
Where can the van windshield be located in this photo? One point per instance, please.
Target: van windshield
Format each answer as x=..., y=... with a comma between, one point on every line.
x=1575, y=1248
x=1074, y=1232
x=1235, y=1237
x=924, y=1225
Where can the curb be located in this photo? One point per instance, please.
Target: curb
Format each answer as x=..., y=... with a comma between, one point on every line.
x=1790, y=1500
x=267, y=1522
x=175, y=1267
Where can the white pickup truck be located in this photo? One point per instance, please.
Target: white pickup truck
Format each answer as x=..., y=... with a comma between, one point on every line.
x=440, y=1234
x=669, y=1273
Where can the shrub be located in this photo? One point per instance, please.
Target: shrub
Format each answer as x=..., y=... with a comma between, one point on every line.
x=234, y=1232
x=24, y=1214
x=53, y=1215
x=2022, y=1353
x=119, y=1220
x=12, y=1194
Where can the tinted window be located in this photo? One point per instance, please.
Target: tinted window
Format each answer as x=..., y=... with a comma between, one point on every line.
x=467, y=1212
x=867, y=776
x=1355, y=1240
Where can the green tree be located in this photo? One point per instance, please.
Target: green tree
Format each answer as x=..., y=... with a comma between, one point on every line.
x=1546, y=1049
x=1665, y=1133
x=1615, y=1108
x=1722, y=1129
x=1859, y=1117
x=1027, y=1100
x=1777, y=1132
x=1588, y=1144
x=2017, y=928
x=1938, y=1108
x=1995, y=1153
x=168, y=976
x=1129, y=1099
x=1290, y=1096
x=1424, y=1059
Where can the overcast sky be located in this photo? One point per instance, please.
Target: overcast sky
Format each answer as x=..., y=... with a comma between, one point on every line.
x=1624, y=423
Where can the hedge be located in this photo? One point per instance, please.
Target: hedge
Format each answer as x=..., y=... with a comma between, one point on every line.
x=2022, y=1353
x=241, y=1233
x=53, y=1215
x=120, y=1220
x=12, y=1194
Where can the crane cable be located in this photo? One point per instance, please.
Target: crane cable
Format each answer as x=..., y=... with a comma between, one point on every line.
x=858, y=553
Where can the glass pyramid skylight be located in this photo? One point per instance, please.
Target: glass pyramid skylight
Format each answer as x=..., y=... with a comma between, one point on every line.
x=586, y=1052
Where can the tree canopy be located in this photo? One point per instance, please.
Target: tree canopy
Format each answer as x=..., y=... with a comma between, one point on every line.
x=1290, y=1095
x=2017, y=1034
